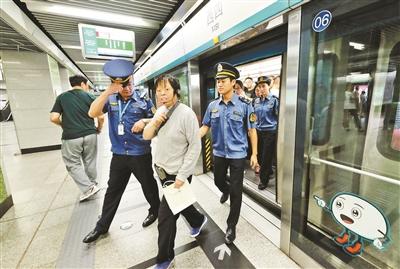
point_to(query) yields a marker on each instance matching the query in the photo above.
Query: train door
(261, 56)
(347, 197)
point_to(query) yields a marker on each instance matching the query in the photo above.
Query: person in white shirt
(351, 104)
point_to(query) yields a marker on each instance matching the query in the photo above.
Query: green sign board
(106, 43)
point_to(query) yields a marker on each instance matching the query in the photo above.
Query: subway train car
(336, 70)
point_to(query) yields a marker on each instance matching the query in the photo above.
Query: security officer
(127, 114)
(266, 108)
(231, 118)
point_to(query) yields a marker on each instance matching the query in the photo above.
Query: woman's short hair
(173, 81)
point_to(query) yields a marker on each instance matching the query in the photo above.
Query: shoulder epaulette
(245, 100)
(144, 95)
(274, 96)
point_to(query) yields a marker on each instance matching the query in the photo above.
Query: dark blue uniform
(131, 153)
(229, 126)
(137, 108)
(266, 110)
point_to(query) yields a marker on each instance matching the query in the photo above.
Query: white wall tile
(24, 60)
(31, 96)
(34, 118)
(32, 99)
(27, 79)
(40, 137)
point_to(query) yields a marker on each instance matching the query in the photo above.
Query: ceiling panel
(12, 40)
(64, 29)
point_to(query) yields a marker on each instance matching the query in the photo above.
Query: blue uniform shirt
(267, 110)
(138, 108)
(229, 125)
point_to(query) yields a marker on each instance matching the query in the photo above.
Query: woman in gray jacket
(178, 148)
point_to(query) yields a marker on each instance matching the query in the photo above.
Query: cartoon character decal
(361, 221)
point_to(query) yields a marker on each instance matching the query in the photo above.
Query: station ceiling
(11, 40)
(60, 18)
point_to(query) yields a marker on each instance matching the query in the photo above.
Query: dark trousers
(266, 153)
(167, 225)
(346, 118)
(121, 168)
(235, 188)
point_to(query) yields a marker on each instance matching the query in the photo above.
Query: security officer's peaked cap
(224, 70)
(118, 70)
(263, 79)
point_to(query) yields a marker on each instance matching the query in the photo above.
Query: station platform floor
(46, 225)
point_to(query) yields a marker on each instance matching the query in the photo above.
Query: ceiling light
(90, 63)
(71, 47)
(357, 46)
(96, 15)
(90, 14)
(11, 62)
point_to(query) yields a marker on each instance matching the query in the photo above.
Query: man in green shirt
(79, 136)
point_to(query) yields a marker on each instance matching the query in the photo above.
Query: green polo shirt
(73, 106)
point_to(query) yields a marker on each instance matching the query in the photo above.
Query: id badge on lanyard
(120, 114)
(121, 129)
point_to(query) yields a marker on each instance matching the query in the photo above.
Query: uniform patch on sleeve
(252, 117)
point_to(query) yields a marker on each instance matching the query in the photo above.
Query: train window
(323, 103)
(352, 88)
(270, 67)
(388, 141)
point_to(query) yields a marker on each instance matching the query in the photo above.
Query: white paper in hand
(179, 199)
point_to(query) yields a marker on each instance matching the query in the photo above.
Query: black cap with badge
(224, 70)
(263, 79)
(119, 71)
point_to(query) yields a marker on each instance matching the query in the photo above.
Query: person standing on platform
(238, 89)
(231, 118)
(351, 107)
(127, 112)
(249, 87)
(79, 136)
(176, 154)
(266, 108)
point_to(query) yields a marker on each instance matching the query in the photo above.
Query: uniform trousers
(267, 141)
(235, 188)
(121, 168)
(167, 225)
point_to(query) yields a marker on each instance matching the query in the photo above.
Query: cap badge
(219, 67)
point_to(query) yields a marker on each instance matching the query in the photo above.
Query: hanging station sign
(100, 42)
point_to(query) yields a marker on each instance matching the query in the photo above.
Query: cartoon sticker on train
(361, 221)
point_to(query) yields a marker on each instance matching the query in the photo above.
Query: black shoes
(149, 220)
(230, 235)
(224, 197)
(262, 186)
(92, 236)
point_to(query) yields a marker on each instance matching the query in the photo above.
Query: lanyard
(121, 113)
